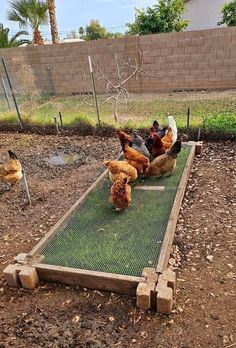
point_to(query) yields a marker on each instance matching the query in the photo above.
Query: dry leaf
(76, 319)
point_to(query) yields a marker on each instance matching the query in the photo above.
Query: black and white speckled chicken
(138, 145)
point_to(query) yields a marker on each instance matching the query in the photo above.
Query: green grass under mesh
(100, 239)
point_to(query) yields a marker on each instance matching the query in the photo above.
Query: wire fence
(26, 85)
(52, 79)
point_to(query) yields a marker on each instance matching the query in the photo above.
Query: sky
(71, 14)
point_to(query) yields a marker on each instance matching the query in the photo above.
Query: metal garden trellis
(13, 94)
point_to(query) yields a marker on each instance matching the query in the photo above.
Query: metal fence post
(13, 95)
(94, 90)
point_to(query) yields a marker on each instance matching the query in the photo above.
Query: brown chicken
(135, 158)
(120, 193)
(157, 147)
(164, 163)
(167, 139)
(116, 168)
(124, 137)
(11, 171)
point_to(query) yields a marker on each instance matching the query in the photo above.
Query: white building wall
(203, 14)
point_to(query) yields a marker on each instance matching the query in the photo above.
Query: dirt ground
(61, 316)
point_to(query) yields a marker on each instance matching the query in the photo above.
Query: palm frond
(6, 42)
(22, 32)
(28, 12)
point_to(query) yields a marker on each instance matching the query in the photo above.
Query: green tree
(32, 13)
(7, 42)
(229, 14)
(95, 31)
(163, 17)
(81, 31)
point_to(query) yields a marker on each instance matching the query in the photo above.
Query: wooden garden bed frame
(123, 284)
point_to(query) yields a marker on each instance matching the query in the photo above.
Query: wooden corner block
(198, 148)
(143, 294)
(164, 298)
(11, 274)
(28, 277)
(170, 276)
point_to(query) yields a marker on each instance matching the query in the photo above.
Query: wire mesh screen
(98, 238)
(6, 102)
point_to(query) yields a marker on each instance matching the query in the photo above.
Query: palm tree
(6, 42)
(53, 20)
(31, 13)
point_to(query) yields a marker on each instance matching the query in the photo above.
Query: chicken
(157, 147)
(121, 167)
(164, 163)
(120, 193)
(161, 131)
(167, 139)
(124, 136)
(173, 126)
(149, 143)
(171, 135)
(135, 158)
(11, 171)
(138, 144)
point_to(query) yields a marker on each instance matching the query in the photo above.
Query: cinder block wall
(204, 59)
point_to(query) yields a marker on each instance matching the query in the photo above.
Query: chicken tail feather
(172, 125)
(12, 154)
(175, 149)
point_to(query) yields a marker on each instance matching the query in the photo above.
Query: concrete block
(190, 64)
(150, 274)
(151, 279)
(11, 274)
(164, 298)
(143, 294)
(21, 258)
(28, 277)
(197, 42)
(170, 277)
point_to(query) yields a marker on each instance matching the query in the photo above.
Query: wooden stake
(199, 134)
(188, 118)
(26, 186)
(60, 117)
(56, 124)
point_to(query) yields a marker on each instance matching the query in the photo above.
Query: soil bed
(62, 316)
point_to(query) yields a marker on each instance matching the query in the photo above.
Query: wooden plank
(171, 226)
(118, 283)
(150, 188)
